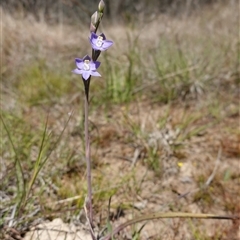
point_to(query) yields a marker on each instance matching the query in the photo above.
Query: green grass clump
(26, 150)
(37, 83)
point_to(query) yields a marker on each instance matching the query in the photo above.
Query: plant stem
(88, 159)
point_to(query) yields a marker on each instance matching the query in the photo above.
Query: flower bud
(92, 28)
(95, 18)
(101, 6)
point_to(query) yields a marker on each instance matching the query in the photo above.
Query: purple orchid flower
(99, 42)
(86, 67)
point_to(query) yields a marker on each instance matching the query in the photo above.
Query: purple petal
(86, 75)
(107, 44)
(94, 35)
(77, 71)
(78, 62)
(94, 42)
(95, 73)
(96, 47)
(93, 39)
(79, 65)
(94, 65)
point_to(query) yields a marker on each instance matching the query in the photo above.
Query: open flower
(99, 42)
(86, 67)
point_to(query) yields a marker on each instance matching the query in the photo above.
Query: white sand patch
(57, 229)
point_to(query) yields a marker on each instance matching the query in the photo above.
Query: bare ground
(193, 173)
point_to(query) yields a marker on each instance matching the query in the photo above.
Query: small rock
(56, 229)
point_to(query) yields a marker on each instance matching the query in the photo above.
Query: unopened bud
(95, 18)
(101, 6)
(92, 28)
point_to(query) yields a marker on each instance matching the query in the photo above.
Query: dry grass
(164, 115)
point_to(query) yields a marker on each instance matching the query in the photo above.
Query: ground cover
(164, 125)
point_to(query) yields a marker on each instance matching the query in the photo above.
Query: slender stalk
(88, 161)
(88, 202)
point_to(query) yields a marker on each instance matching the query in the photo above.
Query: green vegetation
(39, 84)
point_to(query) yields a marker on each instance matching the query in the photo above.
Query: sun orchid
(100, 42)
(86, 67)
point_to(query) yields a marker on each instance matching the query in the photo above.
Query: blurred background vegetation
(199, 35)
(54, 11)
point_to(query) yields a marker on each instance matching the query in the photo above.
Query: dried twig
(165, 215)
(217, 162)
